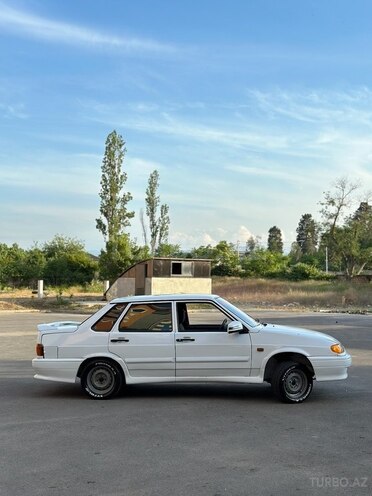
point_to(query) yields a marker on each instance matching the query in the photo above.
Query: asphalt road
(186, 440)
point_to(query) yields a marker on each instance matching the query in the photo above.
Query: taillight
(39, 350)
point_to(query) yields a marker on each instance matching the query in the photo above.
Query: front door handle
(186, 338)
(119, 340)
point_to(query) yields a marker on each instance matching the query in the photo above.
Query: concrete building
(163, 276)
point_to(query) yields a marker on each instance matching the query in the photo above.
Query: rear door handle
(119, 340)
(186, 338)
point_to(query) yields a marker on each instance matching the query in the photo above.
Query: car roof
(165, 297)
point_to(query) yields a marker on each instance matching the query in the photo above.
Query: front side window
(148, 317)
(107, 321)
(201, 317)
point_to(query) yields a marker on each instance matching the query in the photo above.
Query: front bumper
(331, 368)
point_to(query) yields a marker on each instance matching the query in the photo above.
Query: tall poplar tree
(158, 223)
(113, 209)
(114, 214)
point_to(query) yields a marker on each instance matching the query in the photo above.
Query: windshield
(241, 315)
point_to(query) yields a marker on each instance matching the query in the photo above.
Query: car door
(144, 339)
(204, 349)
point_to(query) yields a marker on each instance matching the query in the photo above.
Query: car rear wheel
(101, 380)
(292, 382)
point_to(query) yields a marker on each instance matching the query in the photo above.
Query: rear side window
(107, 321)
(153, 317)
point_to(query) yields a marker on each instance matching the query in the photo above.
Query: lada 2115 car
(184, 338)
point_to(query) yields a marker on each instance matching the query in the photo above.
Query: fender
(278, 351)
(112, 356)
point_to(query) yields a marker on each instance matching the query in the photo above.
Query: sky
(249, 110)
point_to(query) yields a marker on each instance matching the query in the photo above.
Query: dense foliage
(62, 261)
(307, 235)
(274, 240)
(255, 262)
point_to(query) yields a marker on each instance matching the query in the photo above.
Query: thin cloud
(47, 29)
(335, 139)
(284, 175)
(317, 107)
(38, 177)
(13, 111)
(166, 124)
(236, 234)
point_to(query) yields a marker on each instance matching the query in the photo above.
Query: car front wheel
(101, 380)
(292, 382)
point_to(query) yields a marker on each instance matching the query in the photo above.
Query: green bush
(65, 269)
(302, 271)
(19, 267)
(264, 263)
(224, 257)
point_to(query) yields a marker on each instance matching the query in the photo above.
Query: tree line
(60, 262)
(341, 242)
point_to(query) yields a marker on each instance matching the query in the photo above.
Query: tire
(101, 380)
(292, 382)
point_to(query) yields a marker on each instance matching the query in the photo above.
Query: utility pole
(326, 259)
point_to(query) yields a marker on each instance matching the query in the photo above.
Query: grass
(335, 295)
(57, 299)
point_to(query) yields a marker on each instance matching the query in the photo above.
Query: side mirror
(234, 326)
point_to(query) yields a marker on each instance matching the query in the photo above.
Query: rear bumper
(331, 368)
(56, 369)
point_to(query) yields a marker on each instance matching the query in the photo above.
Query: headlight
(337, 348)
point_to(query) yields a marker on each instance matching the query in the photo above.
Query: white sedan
(184, 338)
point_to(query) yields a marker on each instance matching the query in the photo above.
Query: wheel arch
(285, 356)
(108, 358)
